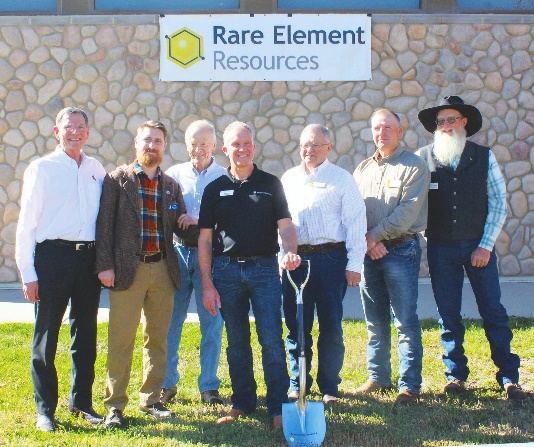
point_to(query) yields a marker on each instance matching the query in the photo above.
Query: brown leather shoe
(276, 422)
(233, 415)
(407, 398)
(329, 399)
(371, 387)
(515, 393)
(454, 386)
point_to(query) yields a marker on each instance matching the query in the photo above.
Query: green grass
(482, 416)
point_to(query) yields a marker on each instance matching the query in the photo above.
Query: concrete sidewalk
(518, 298)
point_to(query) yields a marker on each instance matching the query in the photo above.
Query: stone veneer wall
(109, 66)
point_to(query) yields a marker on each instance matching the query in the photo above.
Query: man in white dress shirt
(193, 177)
(329, 215)
(55, 253)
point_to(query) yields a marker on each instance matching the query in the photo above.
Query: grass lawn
(482, 416)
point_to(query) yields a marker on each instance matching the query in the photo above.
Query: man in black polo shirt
(240, 216)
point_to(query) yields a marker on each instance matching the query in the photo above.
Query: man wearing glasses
(329, 215)
(466, 211)
(394, 184)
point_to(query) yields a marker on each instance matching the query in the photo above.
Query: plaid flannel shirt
(152, 240)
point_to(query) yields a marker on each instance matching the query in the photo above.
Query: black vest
(458, 200)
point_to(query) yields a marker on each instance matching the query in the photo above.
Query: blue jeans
(240, 285)
(325, 291)
(447, 261)
(210, 327)
(392, 283)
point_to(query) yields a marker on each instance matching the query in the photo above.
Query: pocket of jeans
(407, 249)
(267, 263)
(219, 263)
(337, 255)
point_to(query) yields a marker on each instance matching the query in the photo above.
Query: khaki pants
(153, 293)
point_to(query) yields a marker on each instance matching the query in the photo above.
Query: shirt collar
(316, 170)
(206, 171)
(64, 158)
(138, 170)
(250, 178)
(396, 153)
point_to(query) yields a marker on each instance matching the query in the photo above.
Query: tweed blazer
(118, 227)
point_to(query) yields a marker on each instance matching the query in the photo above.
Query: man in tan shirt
(394, 184)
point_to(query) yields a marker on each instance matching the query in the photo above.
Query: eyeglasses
(312, 146)
(450, 120)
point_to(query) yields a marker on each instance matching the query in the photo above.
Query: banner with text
(303, 47)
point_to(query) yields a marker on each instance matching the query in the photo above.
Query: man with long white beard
(466, 211)
(139, 211)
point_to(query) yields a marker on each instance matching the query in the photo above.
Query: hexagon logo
(185, 47)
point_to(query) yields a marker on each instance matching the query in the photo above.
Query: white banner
(276, 47)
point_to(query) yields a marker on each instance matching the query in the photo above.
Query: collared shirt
(193, 183)
(152, 239)
(59, 201)
(395, 190)
(497, 210)
(326, 206)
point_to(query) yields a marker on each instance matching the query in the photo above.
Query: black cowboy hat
(474, 118)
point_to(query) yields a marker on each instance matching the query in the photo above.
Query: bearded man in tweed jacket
(139, 211)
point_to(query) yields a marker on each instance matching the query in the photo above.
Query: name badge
(230, 192)
(318, 184)
(394, 183)
(433, 186)
(173, 206)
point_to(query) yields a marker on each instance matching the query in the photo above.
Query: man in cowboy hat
(466, 211)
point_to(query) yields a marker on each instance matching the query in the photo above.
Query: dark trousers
(64, 273)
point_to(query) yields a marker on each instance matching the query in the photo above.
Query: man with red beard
(466, 211)
(139, 211)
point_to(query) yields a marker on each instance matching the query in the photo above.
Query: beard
(448, 147)
(149, 159)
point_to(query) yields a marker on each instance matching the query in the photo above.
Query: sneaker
(515, 393)
(167, 395)
(45, 423)
(406, 398)
(114, 419)
(454, 386)
(157, 411)
(371, 387)
(211, 397)
(88, 413)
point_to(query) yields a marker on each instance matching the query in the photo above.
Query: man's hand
(211, 299)
(107, 278)
(31, 291)
(480, 257)
(378, 251)
(184, 220)
(290, 261)
(353, 278)
(370, 242)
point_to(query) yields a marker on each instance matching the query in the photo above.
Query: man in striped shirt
(329, 215)
(466, 211)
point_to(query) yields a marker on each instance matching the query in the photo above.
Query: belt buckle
(79, 247)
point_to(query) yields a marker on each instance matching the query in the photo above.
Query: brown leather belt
(307, 249)
(74, 245)
(188, 244)
(399, 240)
(150, 259)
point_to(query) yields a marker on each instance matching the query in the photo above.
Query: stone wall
(109, 66)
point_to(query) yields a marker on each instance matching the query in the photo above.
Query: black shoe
(88, 413)
(114, 419)
(211, 397)
(158, 411)
(45, 423)
(515, 393)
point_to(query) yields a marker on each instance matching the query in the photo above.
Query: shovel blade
(315, 424)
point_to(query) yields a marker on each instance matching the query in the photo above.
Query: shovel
(303, 422)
